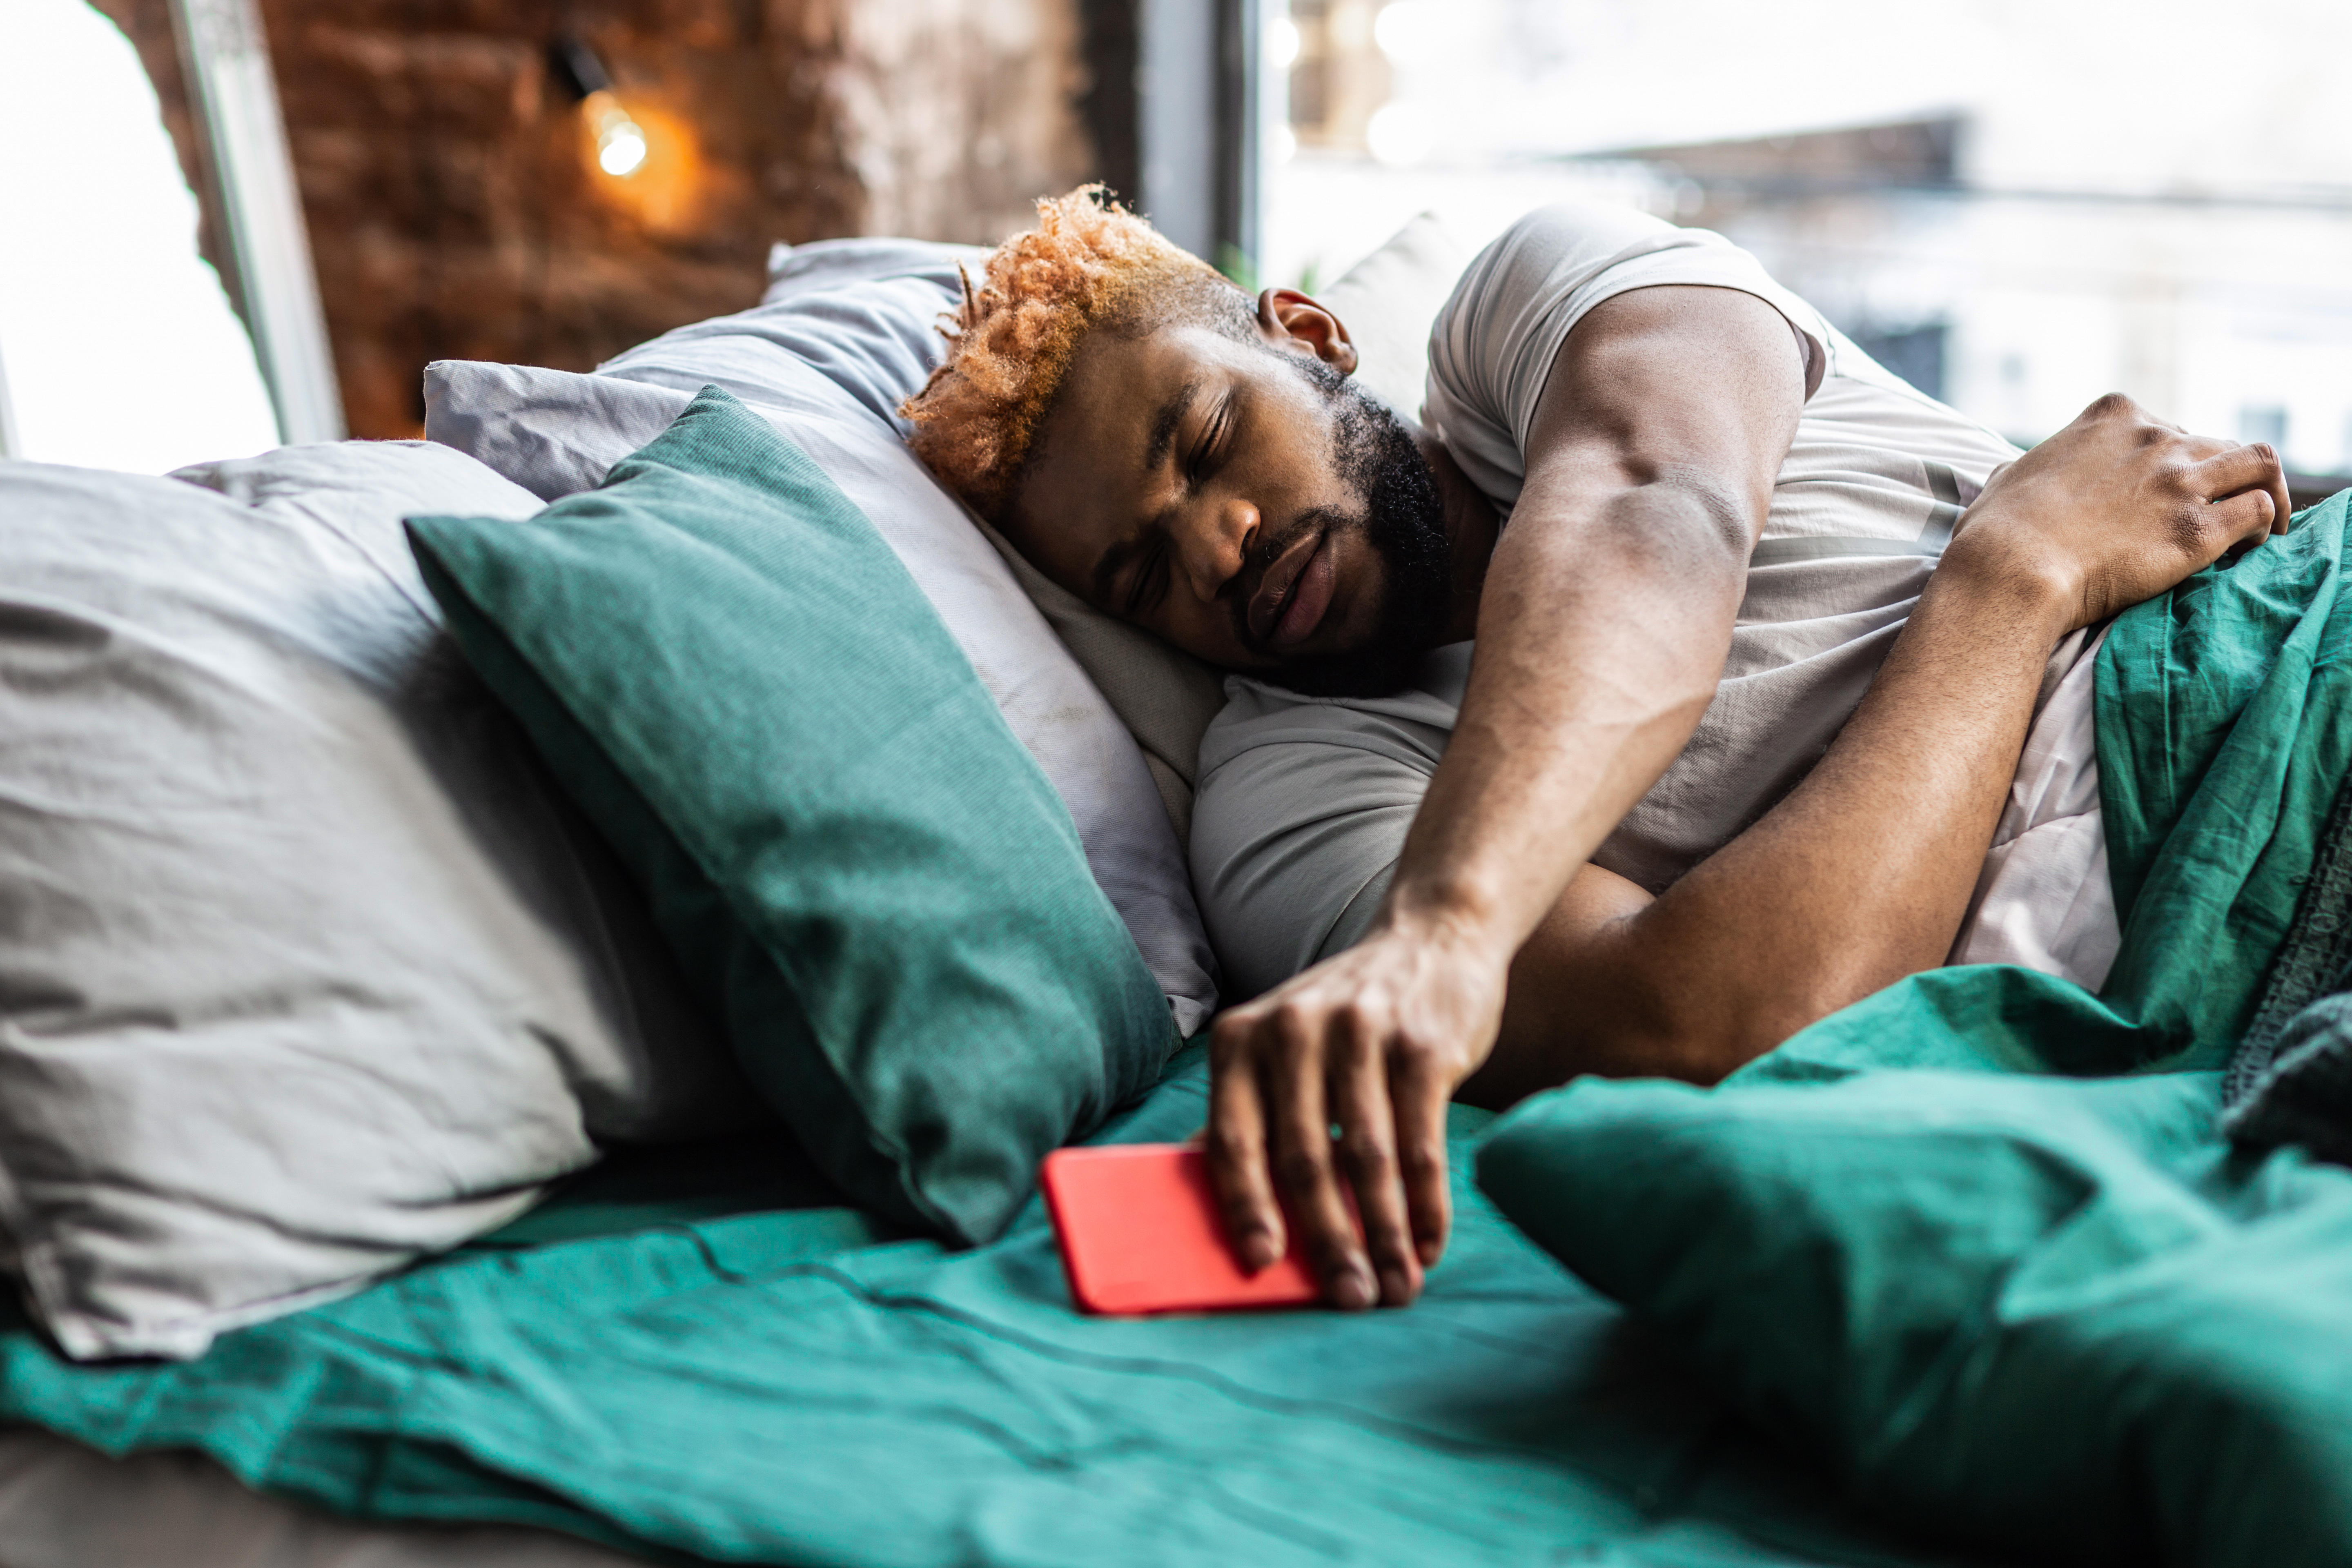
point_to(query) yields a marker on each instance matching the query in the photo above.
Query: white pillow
(863, 315)
(304, 971)
(1390, 300)
(846, 335)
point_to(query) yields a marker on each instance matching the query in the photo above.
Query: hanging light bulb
(621, 143)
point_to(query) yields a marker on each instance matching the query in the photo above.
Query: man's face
(1243, 502)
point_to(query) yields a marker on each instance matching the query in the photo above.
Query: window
(2263, 424)
(2018, 217)
(118, 345)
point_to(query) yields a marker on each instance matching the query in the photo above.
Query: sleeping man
(1760, 634)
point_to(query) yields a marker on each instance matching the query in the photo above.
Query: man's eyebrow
(1163, 427)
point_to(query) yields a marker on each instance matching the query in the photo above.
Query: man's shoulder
(1571, 230)
(1412, 723)
(1570, 239)
(1494, 343)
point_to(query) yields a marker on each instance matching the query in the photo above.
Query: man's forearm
(1608, 606)
(1859, 877)
(1600, 641)
(1602, 623)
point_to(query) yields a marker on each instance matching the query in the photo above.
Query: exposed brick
(454, 213)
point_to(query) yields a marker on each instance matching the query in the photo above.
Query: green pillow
(869, 877)
(2051, 1316)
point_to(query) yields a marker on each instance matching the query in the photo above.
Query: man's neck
(1471, 527)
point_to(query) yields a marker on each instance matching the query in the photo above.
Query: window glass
(117, 344)
(2018, 204)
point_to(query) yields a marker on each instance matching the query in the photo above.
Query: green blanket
(2047, 1313)
(2059, 1317)
(793, 1385)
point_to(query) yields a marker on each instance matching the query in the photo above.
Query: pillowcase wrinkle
(305, 969)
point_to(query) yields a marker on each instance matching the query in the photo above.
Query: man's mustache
(1246, 583)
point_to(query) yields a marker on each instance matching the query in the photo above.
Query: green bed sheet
(794, 1384)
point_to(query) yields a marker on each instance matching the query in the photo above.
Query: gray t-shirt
(1304, 803)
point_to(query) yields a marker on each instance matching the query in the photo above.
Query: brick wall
(455, 210)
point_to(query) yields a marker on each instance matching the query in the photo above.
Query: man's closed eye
(1204, 452)
(1147, 584)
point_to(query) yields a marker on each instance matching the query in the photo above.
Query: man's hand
(1864, 874)
(1602, 627)
(1374, 1042)
(2119, 507)
(1371, 1045)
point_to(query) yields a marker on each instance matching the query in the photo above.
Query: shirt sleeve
(1493, 343)
(1292, 846)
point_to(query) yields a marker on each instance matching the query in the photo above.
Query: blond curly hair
(1088, 264)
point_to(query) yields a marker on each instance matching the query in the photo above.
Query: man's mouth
(1294, 594)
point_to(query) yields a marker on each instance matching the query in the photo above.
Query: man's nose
(1221, 545)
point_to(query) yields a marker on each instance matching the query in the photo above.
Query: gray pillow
(304, 971)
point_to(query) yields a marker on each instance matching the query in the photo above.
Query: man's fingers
(2282, 503)
(1236, 1149)
(2254, 469)
(1292, 1082)
(1418, 1111)
(1359, 1101)
(2246, 518)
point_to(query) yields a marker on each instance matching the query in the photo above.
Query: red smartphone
(1140, 1233)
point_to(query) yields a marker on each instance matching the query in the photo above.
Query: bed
(1786, 1322)
(760, 1391)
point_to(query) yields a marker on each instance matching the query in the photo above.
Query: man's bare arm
(1605, 620)
(1864, 873)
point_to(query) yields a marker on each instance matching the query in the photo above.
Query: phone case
(1140, 1233)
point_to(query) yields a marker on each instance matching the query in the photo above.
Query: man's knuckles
(2176, 476)
(1294, 1027)
(1369, 1158)
(1364, 1022)
(1301, 1169)
(2187, 525)
(1421, 1164)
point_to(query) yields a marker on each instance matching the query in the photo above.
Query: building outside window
(2016, 206)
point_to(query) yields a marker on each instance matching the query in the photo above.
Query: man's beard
(1403, 518)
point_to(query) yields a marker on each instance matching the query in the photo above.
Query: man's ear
(1291, 320)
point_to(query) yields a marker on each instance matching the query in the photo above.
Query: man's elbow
(1703, 1036)
(1767, 1017)
(1689, 521)
(1721, 508)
